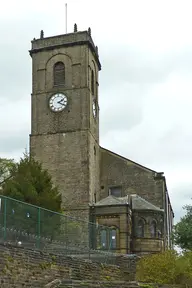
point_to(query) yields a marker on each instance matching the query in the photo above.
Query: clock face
(94, 109)
(58, 102)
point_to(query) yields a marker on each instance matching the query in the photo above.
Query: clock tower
(65, 116)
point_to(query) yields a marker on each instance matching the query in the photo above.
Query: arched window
(108, 238)
(92, 82)
(140, 229)
(153, 229)
(113, 238)
(59, 74)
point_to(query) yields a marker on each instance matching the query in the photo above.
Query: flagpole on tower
(66, 17)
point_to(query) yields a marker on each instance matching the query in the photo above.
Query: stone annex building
(96, 184)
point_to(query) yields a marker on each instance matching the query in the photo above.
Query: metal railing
(33, 227)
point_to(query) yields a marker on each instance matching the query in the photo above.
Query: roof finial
(89, 31)
(75, 27)
(41, 34)
(96, 48)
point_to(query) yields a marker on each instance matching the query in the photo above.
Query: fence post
(5, 219)
(39, 227)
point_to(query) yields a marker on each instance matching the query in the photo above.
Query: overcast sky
(145, 48)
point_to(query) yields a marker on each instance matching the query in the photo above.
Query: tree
(31, 184)
(6, 167)
(183, 230)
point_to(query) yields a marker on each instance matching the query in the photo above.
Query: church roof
(126, 159)
(112, 200)
(138, 203)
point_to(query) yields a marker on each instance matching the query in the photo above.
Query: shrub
(165, 268)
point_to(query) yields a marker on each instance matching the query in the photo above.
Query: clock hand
(61, 102)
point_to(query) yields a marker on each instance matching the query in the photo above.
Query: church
(130, 201)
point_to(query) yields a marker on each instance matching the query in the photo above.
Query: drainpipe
(129, 205)
(127, 242)
(167, 220)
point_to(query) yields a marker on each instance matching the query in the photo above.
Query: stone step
(95, 284)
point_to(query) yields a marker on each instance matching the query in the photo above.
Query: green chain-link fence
(33, 227)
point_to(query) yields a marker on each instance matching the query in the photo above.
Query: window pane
(103, 239)
(115, 191)
(153, 229)
(140, 229)
(113, 240)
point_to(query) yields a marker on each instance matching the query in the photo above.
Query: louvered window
(59, 74)
(92, 82)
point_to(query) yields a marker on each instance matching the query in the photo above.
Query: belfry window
(92, 82)
(59, 74)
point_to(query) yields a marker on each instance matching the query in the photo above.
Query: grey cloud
(174, 147)
(133, 66)
(181, 195)
(15, 63)
(15, 142)
(126, 64)
(121, 108)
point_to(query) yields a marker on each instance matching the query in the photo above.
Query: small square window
(115, 191)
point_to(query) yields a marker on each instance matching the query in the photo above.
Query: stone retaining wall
(21, 267)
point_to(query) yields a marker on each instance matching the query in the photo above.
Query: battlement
(65, 40)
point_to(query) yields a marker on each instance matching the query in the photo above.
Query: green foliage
(6, 167)
(166, 268)
(157, 268)
(30, 183)
(182, 234)
(184, 269)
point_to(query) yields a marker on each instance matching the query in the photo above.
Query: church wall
(147, 245)
(65, 156)
(134, 179)
(147, 242)
(94, 169)
(118, 217)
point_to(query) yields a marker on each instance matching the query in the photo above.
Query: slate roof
(112, 200)
(137, 202)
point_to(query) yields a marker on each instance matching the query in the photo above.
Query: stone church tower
(65, 115)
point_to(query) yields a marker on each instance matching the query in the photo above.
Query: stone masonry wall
(115, 284)
(98, 284)
(132, 177)
(20, 267)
